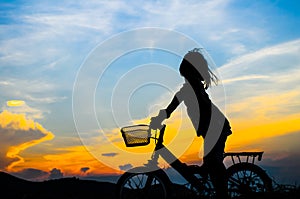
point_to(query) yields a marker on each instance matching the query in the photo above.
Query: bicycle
(150, 181)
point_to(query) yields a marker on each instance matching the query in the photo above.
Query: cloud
(51, 34)
(243, 78)
(179, 14)
(17, 134)
(109, 154)
(20, 107)
(214, 22)
(262, 96)
(84, 169)
(47, 34)
(70, 159)
(125, 167)
(32, 174)
(55, 174)
(36, 91)
(15, 103)
(265, 80)
(282, 55)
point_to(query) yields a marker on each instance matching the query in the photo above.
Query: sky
(72, 73)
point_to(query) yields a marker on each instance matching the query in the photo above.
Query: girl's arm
(171, 107)
(165, 113)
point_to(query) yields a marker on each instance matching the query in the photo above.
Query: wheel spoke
(140, 179)
(141, 185)
(235, 181)
(130, 184)
(137, 185)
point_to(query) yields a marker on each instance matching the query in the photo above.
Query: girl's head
(194, 68)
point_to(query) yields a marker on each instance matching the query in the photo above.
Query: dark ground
(65, 188)
(72, 188)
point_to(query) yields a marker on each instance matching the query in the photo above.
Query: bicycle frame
(168, 156)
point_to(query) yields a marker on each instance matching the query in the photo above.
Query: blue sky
(43, 44)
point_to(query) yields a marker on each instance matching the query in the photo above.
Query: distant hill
(67, 188)
(102, 178)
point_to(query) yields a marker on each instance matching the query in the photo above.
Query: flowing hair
(194, 67)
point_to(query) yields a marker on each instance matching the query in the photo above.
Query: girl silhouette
(206, 118)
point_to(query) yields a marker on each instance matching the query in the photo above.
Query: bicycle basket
(137, 135)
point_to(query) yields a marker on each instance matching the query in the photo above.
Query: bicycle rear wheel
(136, 184)
(246, 178)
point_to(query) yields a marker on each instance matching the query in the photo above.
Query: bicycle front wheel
(246, 178)
(148, 185)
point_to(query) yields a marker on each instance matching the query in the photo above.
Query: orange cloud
(72, 159)
(69, 157)
(17, 134)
